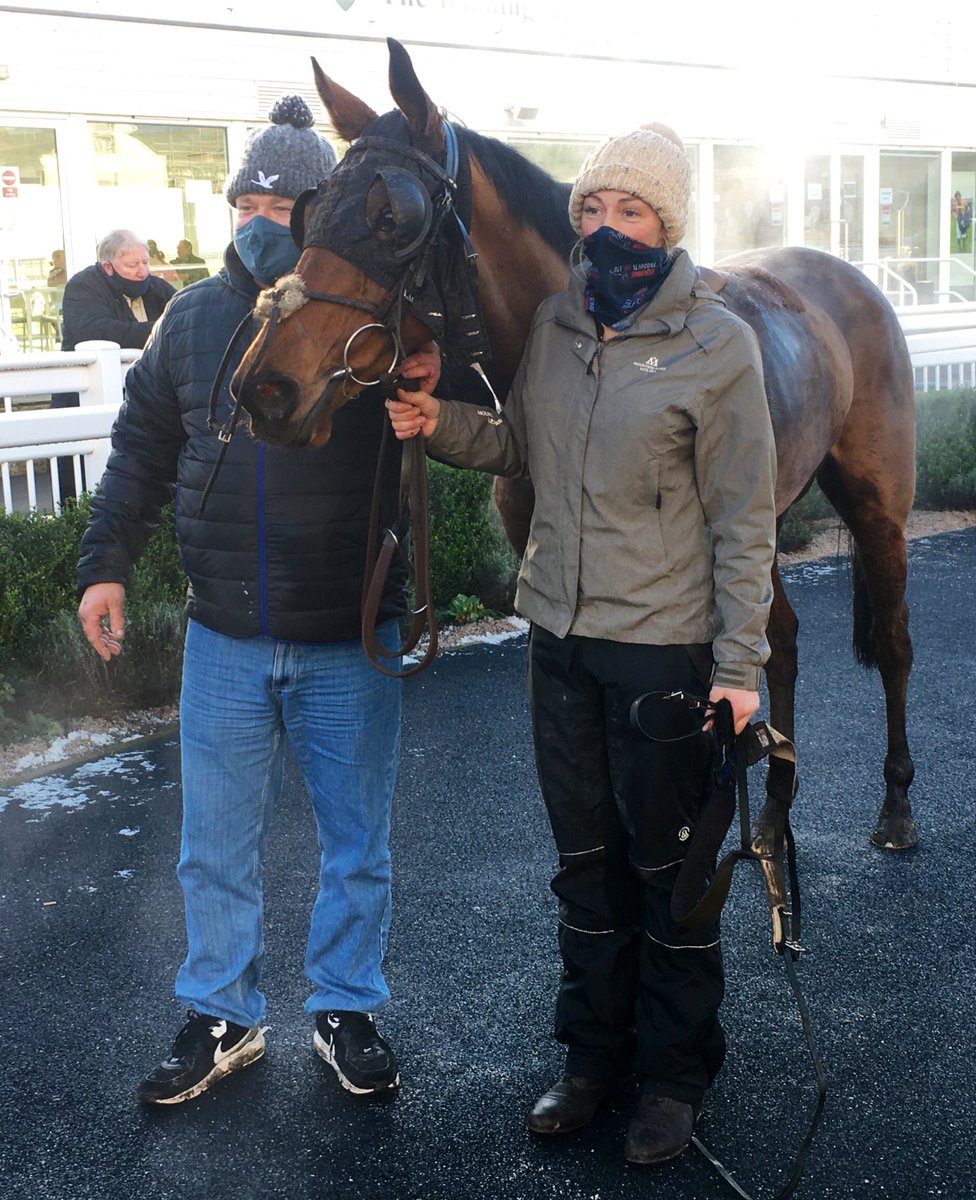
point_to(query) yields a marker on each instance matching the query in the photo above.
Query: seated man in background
(114, 300)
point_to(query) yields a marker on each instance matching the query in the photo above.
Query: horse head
(381, 242)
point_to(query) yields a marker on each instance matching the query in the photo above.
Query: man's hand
(413, 413)
(102, 617)
(424, 365)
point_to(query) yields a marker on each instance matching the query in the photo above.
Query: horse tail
(865, 647)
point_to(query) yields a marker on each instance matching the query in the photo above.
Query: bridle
(410, 288)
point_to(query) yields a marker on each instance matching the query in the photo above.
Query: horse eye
(379, 212)
(384, 225)
(397, 210)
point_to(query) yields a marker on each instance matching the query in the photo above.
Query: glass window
(32, 270)
(750, 200)
(852, 207)
(816, 202)
(562, 160)
(909, 216)
(166, 183)
(961, 232)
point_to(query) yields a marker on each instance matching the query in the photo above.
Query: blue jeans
(241, 698)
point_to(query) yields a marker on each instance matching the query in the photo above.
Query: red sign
(9, 182)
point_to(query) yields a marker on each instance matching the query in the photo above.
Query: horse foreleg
(881, 639)
(781, 672)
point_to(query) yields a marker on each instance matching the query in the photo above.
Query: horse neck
(517, 270)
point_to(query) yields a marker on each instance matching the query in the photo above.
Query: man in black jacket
(273, 652)
(114, 300)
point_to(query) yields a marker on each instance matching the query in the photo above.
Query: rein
(700, 893)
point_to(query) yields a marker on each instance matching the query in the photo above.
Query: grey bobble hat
(285, 159)
(651, 164)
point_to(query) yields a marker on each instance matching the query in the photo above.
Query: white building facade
(848, 128)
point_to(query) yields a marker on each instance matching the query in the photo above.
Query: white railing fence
(33, 437)
(942, 342)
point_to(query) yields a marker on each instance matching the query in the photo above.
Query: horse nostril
(272, 399)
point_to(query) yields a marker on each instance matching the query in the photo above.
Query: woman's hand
(413, 413)
(424, 365)
(744, 705)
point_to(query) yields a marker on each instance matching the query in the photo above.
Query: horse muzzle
(272, 402)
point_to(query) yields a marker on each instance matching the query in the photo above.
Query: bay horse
(381, 237)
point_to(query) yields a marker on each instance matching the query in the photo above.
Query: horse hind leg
(781, 674)
(881, 637)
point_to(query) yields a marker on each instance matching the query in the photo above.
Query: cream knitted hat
(651, 164)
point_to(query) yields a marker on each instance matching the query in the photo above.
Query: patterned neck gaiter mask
(623, 275)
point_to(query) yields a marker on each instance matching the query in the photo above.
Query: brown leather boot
(661, 1130)
(569, 1104)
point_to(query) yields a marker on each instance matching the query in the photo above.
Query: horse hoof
(895, 835)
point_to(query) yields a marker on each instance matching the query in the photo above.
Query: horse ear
(349, 114)
(411, 99)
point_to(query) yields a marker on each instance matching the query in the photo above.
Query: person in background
(184, 256)
(116, 299)
(273, 652)
(639, 414)
(158, 264)
(58, 274)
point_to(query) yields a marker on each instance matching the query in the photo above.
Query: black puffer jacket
(92, 312)
(280, 550)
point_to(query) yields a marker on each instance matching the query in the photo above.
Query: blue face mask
(266, 248)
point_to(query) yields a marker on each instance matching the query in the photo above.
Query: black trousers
(637, 994)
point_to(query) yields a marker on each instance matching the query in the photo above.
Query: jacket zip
(262, 545)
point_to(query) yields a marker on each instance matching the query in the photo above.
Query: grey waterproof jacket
(653, 463)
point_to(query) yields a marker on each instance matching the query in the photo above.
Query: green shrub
(463, 610)
(946, 449)
(48, 665)
(797, 531)
(469, 552)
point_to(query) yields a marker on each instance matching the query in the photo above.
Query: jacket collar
(666, 311)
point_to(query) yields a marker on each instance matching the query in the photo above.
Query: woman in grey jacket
(638, 413)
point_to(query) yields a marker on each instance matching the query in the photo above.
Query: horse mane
(531, 195)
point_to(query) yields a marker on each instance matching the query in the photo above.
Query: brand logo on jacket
(649, 366)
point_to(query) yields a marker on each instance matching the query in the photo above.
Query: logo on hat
(266, 181)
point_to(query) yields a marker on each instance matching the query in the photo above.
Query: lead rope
(760, 740)
(414, 507)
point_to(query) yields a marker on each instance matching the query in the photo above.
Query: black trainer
(350, 1044)
(206, 1049)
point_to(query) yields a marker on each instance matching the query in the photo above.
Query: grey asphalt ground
(86, 981)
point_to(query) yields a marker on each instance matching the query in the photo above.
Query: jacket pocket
(655, 539)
